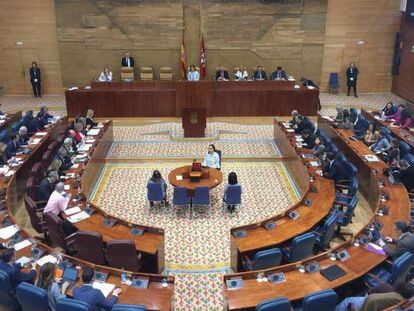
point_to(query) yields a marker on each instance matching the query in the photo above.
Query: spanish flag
(183, 62)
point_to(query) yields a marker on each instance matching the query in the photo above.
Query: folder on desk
(333, 272)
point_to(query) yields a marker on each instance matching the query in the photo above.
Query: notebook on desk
(333, 272)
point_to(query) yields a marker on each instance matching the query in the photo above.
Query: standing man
(351, 78)
(127, 61)
(35, 79)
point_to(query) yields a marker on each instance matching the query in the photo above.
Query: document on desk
(35, 141)
(72, 211)
(78, 217)
(21, 245)
(41, 134)
(105, 288)
(23, 260)
(290, 131)
(314, 163)
(371, 158)
(93, 132)
(85, 147)
(179, 177)
(45, 259)
(66, 187)
(75, 165)
(8, 232)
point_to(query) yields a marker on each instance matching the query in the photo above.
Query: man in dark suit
(222, 75)
(45, 188)
(92, 296)
(43, 117)
(279, 74)
(404, 242)
(35, 79)
(334, 169)
(259, 74)
(127, 61)
(12, 146)
(308, 138)
(13, 270)
(351, 78)
(405, 175)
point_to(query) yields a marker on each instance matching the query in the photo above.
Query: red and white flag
(202, 59)
(183, 62)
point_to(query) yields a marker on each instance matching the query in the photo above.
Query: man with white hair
(64, 154)
(23, 139)
(58, 201)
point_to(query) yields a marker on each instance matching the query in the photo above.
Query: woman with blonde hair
(90, 121)
(55, 166)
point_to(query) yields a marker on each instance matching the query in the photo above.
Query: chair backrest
(325, 300)
(302, 246)
(166, 74)
(410, 158)
(4, 136)
(233, 194)
(402, 265)
(147, 73)
(127, 73)
(47, 158)
(201, 196)
(31, 188)
(124, 307)
(328, 229)
(277, 304)
(267, 259)
(353, 186)
(122, 254)
(349, 213)
(32, 298)
(219, 154)
(67, 304)
(332, 148)
(180, 196)
(334, 79)
(37, 172)
(363, 125)
(15, 127)
(56, 234)
(35, 220)
(404, 148)
(341, 157)
(154, 192)
(90, 247)
(6, 297)
(53, 146)
(350, 169)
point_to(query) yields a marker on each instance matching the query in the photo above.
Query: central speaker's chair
(127, 74)
(147, 74)
(166, 74)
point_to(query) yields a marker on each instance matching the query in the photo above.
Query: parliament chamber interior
(207, 155)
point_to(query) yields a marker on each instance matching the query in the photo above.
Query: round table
(215, 178)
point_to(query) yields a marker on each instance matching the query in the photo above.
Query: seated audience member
(55, 167)
(58, 200)
(193, 74)
(212, 159)
(396, 117)
(334, 169)
(106, 75)
(405, 122)
(3, 155)
(278, 74)
(371, 135)
(71, 135)
(23, 138)
(65, 160)
(392, 157)
(324, 161)
(92, 296)
(259, 74)
(222, 75)
(79, 134)
(347, 120)
(339, 114)
(404, 242)
(294, 114)
(241, 74)
(318, 148)
(308, 138)
(49, 283)
(232, 181)
(389, 109)
(12, 146)
(44, 116)
(13, 270)
(30, 122)
(405, 175)
(301, 124)
(46, 187)
(382, 145)
(156, 178)
(90, 121)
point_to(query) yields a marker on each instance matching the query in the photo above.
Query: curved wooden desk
(297, 285)
(155, 297)
(215, 178)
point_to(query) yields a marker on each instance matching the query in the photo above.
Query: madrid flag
(202, 59)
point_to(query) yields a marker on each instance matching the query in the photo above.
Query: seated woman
(397, 115)
(212, 159)
(232, 181)
(90, 121)
(392, 157)
(78, 128)
(406, 121)
(371, 136)
(106, 75)
(389, 109)
(382, 145)
(156, 178)
(49, 283)
(55, 166)
(241, 74)
(193, 74)
(318, 148)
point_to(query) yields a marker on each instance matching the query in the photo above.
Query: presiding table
(168, 98)
(210, 177)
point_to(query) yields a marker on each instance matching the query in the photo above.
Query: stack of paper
(21, 245)
(24, 261)
(105, 288)
(371, 158)
(78, 217)
(41, 134)
(72, 211)
(85, 147)
(8, 232)
(75, 165)
(45, 259)
(35, 141)
(290, 130)
(94, 132)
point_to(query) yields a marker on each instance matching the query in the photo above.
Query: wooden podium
(194, 122)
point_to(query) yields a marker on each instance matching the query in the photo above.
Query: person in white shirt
(241, 74)
(212, 159)
(57, 202)
(106, 75)
(193, 74)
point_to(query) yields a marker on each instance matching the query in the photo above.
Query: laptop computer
(70, 275)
